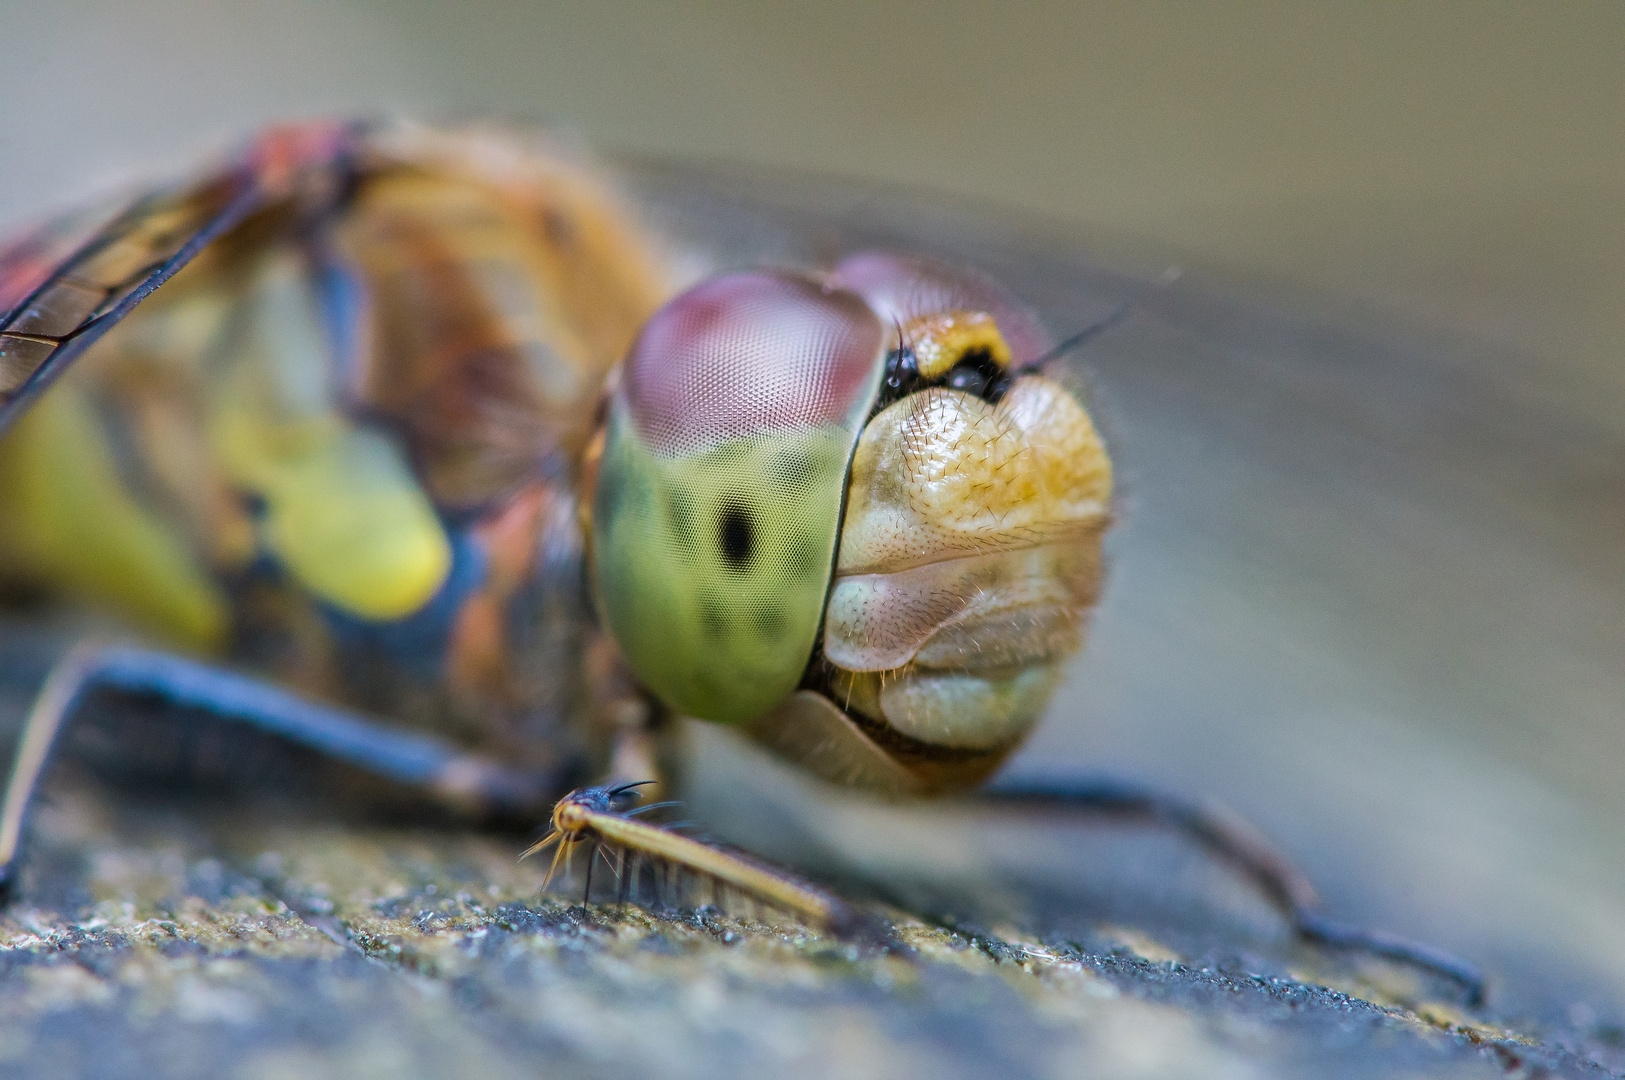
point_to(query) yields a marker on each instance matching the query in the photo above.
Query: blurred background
(1458, 162)
(1429, 669)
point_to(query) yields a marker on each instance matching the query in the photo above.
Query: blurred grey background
(1458, 162)
(1432, 663)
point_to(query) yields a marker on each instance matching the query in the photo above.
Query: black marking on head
(736, 531)
(967, 379)
(975, 372)
(901, 378)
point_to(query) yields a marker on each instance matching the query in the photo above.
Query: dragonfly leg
(601, 817)
(1238, 843)
(444, 774)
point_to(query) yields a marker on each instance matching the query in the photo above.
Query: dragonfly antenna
(1108, 320)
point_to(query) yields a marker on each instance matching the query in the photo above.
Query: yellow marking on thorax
(343, 510)
(67, 521)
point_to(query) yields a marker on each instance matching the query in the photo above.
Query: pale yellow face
(969, 558)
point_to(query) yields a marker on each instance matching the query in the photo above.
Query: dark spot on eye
(713, 623)
(793, 469)
(680, 518)
(801, 556)
(769, 622)
(737, 532)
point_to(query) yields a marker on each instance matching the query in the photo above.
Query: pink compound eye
(901, 288)
(750, 354)
(717, 504)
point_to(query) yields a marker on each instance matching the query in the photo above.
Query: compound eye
(718, 498)
(746, 355)
(908, 289)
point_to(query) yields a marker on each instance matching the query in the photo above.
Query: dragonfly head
(857, 486)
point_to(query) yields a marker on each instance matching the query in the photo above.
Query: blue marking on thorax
(418, 642)
(342, 296)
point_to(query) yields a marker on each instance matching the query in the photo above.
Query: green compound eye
(719, 492)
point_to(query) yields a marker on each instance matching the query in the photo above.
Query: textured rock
(265, 948)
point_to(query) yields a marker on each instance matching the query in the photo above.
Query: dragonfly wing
(65, 285)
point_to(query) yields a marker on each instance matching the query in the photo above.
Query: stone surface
(173, 938)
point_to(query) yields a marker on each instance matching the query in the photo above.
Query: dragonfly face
(850, 510)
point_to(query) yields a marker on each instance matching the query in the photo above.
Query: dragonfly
(408, 447)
